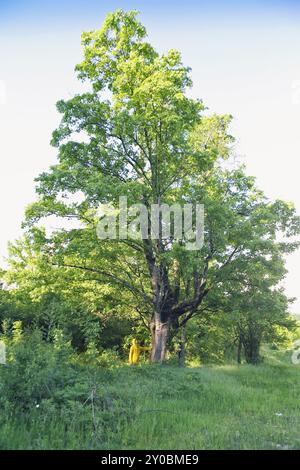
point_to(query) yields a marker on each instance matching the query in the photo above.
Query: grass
(154, 407)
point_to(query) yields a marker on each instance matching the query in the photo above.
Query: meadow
(115, 406)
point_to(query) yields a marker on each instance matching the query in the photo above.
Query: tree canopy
(137, 133)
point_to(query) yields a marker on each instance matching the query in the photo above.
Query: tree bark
(251, 348)
(239, 352)
(160, 335)
(181, 353)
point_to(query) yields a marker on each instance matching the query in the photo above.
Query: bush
(34, 370)
(107, 358)
(55, 400)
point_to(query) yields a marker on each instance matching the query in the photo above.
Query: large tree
(138, 134)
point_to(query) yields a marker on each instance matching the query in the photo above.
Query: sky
(245, 60)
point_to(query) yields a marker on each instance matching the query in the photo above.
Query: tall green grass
(164, 407)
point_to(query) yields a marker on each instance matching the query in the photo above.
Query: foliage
(137, 133)
(34, 370)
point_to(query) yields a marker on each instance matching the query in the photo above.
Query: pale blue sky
(245, 59)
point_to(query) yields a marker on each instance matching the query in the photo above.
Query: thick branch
(118, 280)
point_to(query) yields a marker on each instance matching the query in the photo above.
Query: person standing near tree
(135, 352)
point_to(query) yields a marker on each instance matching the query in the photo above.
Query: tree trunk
(181, 352)
(251, 348)
(160, 334)
(239, 351)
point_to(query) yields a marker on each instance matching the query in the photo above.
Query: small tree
(251, 317)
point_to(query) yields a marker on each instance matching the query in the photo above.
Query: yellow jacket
(135, 351)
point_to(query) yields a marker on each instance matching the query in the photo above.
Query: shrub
(34, 370)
